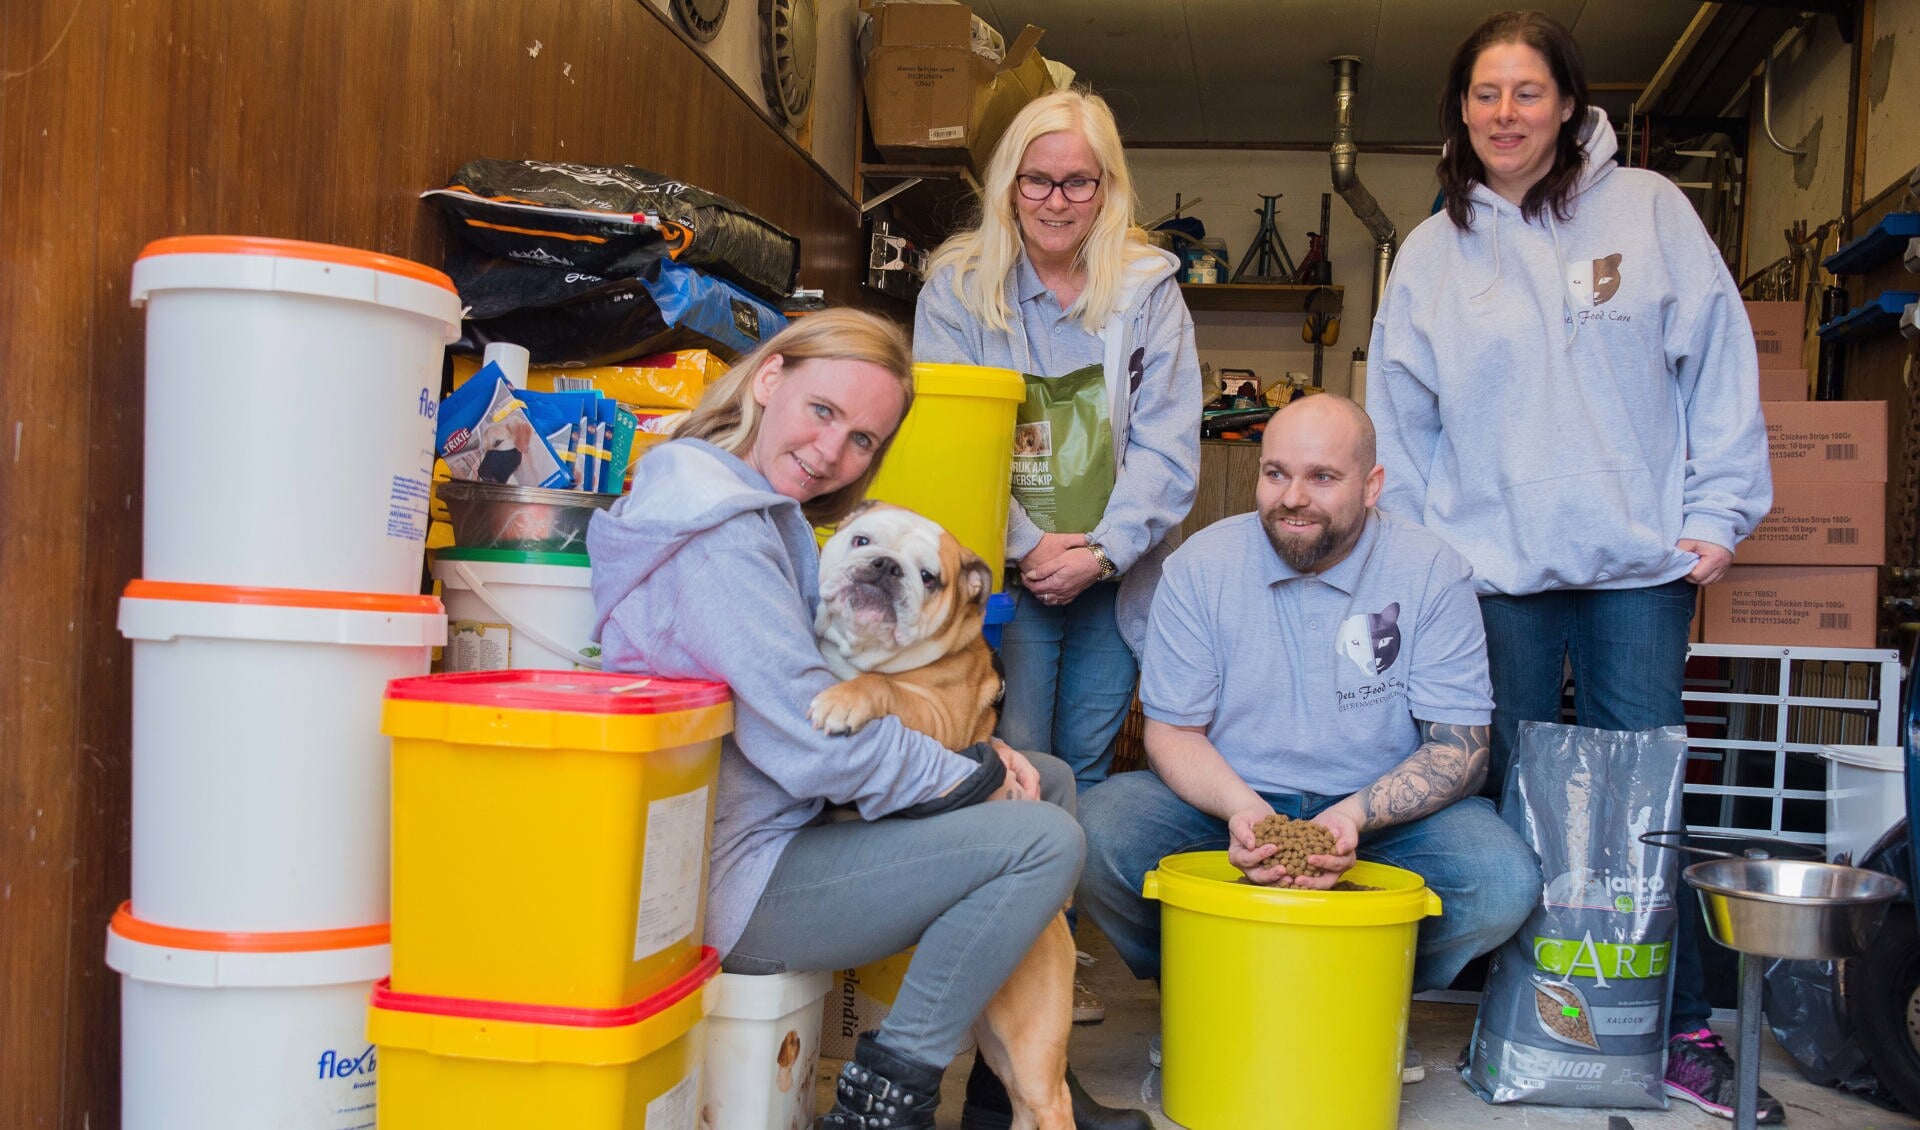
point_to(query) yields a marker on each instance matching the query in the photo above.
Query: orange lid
(705, 969)
(292, 941)
(285, 598)
(296, 249)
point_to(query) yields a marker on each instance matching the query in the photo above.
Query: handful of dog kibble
(1298, 839)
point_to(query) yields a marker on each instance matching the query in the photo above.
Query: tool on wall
(1268, 250)
(1315, 267)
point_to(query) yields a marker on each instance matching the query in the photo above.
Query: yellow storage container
(551, 832)
(449, 1064)
(1282, 1006)
(953, 457)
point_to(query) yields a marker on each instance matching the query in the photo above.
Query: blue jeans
(1070, 679)
(971, 889)
(1628, 651)
(1487, 878)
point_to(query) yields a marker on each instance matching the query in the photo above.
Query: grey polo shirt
(1311, 683)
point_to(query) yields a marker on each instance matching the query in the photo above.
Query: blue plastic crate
(1886, 241)
(1875, 316)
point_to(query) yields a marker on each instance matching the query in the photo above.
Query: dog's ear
(976, 579)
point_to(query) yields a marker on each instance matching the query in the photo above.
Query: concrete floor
(1111, 1060)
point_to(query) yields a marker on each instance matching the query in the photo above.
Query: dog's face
(897, 591)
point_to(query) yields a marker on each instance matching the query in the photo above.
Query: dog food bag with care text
(1575, 1008)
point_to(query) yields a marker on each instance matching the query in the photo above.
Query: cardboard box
(1798, 606)
(1783, 384)
(1779, 330)
(1820, 524)
(1827, 441)
(930, 97)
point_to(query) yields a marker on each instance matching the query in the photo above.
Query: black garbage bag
(611, 220)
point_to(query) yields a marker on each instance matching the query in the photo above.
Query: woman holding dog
(1564, 385)
(1057, 283)
(708, 569)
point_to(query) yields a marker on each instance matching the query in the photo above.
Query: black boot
(880, 1089)
(988, 1107)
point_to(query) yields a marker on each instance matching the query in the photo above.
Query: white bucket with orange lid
(260, 776)
(254, 1030)
(291, 395)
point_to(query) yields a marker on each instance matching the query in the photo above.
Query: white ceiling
(1255, 72)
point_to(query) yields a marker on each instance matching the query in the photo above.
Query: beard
(1301, 553)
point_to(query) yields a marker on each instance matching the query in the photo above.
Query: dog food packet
(484, 435)
(1575, 1008)
(1063, 451)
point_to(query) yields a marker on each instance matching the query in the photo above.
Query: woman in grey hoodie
(1565, 388)
(708, 569)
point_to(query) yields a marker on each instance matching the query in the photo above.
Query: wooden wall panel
(124, 121)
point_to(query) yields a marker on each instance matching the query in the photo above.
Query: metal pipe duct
(1346, 179)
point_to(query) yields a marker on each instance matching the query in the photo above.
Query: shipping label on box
(1793, 606)
(1827, 441)
(1779, 329)
(1783, 384)
(1820, 524)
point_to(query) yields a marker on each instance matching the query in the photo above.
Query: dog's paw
(843, 708)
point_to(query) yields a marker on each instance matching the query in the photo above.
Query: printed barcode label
(1843, 535)
(572, 384)
(1766, 345)
(1836, 621)
(1837, 451)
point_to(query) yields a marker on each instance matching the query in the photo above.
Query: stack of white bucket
(291, 391)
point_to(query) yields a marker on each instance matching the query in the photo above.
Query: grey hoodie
(1153, 381)
(703, 572)
(1565, 401)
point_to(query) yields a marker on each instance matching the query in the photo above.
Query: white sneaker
(1412, 1070)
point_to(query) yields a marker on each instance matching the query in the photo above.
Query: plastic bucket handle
(479, 590)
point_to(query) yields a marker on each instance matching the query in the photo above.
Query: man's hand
(1346, 840)
(1241, 851)
(1023, 780)
(1713, 563)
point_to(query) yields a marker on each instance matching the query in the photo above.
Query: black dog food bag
(1575, 1008)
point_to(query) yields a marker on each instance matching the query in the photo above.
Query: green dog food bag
(1063, 451)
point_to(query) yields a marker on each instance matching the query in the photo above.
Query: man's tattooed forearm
(1450, 765)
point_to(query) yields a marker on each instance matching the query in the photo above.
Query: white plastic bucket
(245, 1037)
(512, 609)
(1866, 795)
(763, 1044)
(291, 395)
(260, 775)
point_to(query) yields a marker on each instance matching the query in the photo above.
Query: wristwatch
(1106, 563)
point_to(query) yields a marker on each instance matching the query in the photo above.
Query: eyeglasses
(1077, 190)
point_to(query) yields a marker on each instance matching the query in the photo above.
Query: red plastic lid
(222, 941)
(704, 970)
(297, 249)
(582, 692)
(285, 598)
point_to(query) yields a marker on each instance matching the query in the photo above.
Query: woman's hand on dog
(1023, 780)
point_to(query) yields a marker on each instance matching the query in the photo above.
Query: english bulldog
(902, 603)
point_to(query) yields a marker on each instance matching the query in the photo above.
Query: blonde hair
(729, 417)
(983, 256)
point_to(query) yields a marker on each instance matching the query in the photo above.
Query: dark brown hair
(1460, 168)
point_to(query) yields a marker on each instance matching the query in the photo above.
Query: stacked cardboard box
(933, 93)
(1808, 575)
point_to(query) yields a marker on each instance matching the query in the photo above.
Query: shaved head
(1329, 409)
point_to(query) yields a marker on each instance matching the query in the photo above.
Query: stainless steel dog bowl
(1792, 908)
(531, 519)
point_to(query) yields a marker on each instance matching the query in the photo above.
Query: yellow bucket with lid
(1280, 1000)
(952, 459)
(450, 1064)
(551, 832)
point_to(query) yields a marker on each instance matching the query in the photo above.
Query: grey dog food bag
(1575, 1008)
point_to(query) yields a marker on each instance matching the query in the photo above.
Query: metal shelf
(1263, 298)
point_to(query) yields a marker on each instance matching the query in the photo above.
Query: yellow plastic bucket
(1279, 1006)
(550, 833)
(449, 1064)
(953, 457)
